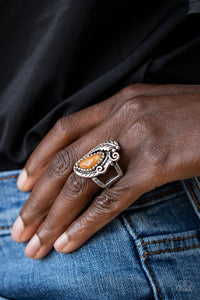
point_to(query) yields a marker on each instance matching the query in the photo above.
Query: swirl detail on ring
(98, 160)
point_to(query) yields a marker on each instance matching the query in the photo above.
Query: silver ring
(97, 161)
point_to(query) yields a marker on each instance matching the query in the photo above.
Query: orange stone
(90, 161)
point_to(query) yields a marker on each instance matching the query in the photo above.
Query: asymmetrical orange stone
(90, 161)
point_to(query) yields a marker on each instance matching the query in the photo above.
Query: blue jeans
(150, 251)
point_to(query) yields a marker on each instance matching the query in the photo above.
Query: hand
(158, 130)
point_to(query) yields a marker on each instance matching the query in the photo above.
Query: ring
(97, 161)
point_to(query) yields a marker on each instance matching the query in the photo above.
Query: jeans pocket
(171, 262)
(165, 229)
(160, 194)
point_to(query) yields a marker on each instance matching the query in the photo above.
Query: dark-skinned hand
(158, 130)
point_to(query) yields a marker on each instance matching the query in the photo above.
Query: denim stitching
(169, 240)
(198, 185)
(160, 195)
(5, 227)
(146, 255)
(9, 177)
(192, 194)
(170, 250)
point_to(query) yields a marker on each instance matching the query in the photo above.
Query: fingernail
(61, 242)
(33, 246)
(22, 179)
(18, 229)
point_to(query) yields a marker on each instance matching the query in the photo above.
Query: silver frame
(110, 156)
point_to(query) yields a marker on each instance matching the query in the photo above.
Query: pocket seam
(146, 256)
(196, 179)
(170, 250)
(193, 195)
(169, 240)
(160, 195)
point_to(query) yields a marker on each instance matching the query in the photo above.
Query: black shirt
(58, 56)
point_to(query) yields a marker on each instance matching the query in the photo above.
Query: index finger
(66, 130)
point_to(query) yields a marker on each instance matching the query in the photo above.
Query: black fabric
(58, 56)
(193, 6)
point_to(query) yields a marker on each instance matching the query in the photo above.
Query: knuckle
(61, 164)
(62, 126)
(48, 229)
(86, 221)
(126, 92)
(107, 203)
(143, 125)
(132, 106)
(156, 154)
(31, 210)
(81, 224)
(75, 185)
(133, 90)
(155, 146)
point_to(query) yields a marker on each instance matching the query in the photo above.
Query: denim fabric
(150, 251)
